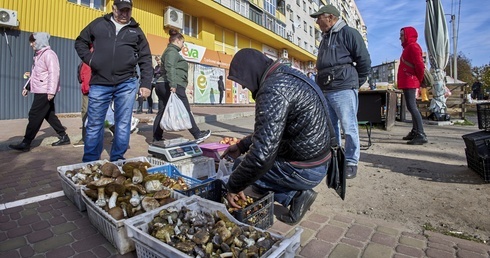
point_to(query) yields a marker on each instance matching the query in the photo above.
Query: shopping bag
(175, 117)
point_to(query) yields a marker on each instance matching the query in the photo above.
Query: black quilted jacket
(290, 124)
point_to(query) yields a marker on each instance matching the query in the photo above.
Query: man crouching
(289, 151)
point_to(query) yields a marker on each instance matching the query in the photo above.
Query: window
(305, 26)
(95, 4)
(269, 22)
(311, 31)
(291, 15)
(280, 29)
(241, 7)
(304, 6)
(255, 15)
(298, 3)
(270, 6)
(306, 46)
(190, 26)
(299, 41)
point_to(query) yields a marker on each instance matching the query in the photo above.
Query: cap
(330, 9)
(120, 4)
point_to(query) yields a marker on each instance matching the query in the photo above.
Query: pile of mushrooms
(130, 192)
(85, 174)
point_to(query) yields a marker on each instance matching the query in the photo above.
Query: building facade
(214, 32)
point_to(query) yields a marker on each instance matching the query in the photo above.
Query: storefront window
(190, 25)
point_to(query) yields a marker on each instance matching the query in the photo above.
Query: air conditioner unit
(288, 7)
(284, 53)
(8, 18)
(173, 17)
(311, 64)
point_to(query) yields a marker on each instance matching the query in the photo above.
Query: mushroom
(149, 203)
(163, 197)
(153, 186)
(117, 213)
(135, 191)
(137, 176)
(120, 179)
(114, 189)
(91, 193)
(99, 185)
(110, 170)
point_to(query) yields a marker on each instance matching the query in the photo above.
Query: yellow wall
(64, 19)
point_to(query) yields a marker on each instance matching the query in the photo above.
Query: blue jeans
(100, 97)
(286, 180)
(342, 107)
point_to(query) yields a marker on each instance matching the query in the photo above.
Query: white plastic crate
(113, 230)
(120, 163)
(72, 190)
(148, 246)
(200, 167)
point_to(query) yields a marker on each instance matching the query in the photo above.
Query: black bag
(79, 72)
(336, 177)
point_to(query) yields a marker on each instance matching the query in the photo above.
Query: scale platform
(175, 149)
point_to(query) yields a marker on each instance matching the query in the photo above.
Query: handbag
(336, 176)
(175, 117)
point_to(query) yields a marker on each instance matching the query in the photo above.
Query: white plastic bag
(224, 170)
(175, 117)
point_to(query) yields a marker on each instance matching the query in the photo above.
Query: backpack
(428, 80)
(79, 71)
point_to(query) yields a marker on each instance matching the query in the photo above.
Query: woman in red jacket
(410, 75)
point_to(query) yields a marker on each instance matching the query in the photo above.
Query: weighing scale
(175, 149)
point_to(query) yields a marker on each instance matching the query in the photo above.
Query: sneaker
(351, 172)
(63, 140)
(419, 139)
(299, 205)
(20, 147)
(203, 135)
(410, 136)
(79, 144)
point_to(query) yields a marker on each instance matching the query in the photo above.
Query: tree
(464, 68)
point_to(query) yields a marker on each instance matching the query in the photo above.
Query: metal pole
(455, 48)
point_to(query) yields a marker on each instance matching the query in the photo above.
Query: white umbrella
(437, 40)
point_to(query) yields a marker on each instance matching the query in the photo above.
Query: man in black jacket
(119, 45)
(289, 150)
(343, 66)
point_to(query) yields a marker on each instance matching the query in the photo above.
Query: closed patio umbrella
(437, 40)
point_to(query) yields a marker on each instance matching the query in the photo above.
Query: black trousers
(163, 92)
(221, 94)
(42, 109)
(411, 101)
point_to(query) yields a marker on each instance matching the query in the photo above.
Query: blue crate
(172, 171)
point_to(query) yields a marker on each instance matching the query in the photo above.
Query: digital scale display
(173, 153)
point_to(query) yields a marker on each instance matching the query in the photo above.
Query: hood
(247, 67)
(42, 40)
(337, 26)
(411, 36)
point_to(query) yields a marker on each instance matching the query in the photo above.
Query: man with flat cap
(343, 65)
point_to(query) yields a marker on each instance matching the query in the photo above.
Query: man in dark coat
(289, 150)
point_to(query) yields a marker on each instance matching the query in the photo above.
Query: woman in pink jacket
(410, 75)
(44, 82)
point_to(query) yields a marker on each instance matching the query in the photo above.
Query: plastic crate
(260, 214)
(113, 230)
(70, 189)
(148, 246)
(172, 171)
(483, 113)
(479, 164)
(478, 143)
(200, 167)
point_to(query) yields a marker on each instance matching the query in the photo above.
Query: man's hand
(232, 198)
(24, 92)
(50, 97)
(232, 152)
(145, 92)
